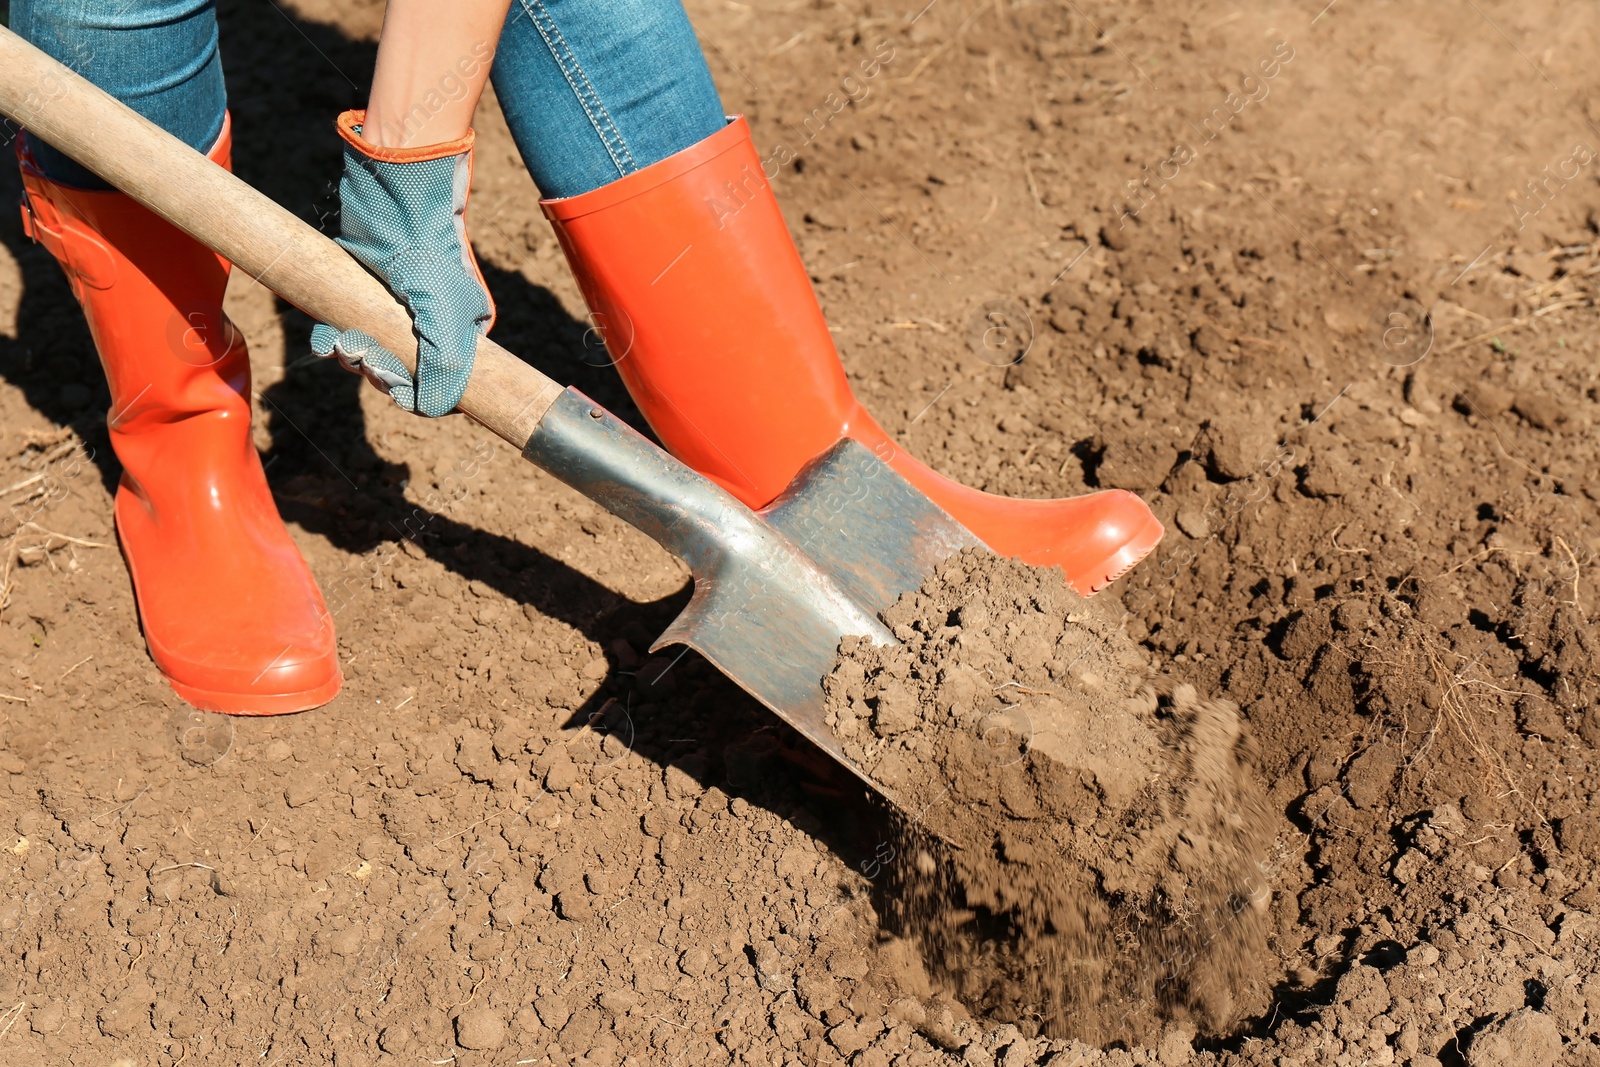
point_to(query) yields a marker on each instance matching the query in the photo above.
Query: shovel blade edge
(775, 590)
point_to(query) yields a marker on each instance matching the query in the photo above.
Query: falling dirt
(1109, 856)
(1318, 281)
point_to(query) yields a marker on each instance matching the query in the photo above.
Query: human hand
(402, 213)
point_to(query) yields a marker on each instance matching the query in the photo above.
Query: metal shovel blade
(774, 590)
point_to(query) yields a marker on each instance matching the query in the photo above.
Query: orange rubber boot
(710, 317)
(231, 613)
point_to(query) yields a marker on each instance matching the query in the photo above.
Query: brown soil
(1343, 342)
(1106, 855)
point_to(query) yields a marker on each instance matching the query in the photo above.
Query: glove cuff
(350, 129)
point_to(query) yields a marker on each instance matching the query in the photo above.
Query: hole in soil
(1277, 630)
(1385, 955)
(1091, 454)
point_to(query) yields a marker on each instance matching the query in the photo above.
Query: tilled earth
(1340, 331)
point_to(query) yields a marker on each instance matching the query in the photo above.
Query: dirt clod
(1111, 855)
(481, 1028)
(1525, 1038)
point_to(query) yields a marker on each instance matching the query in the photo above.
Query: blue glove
(403, 213)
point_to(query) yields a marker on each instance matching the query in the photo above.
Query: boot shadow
(51, 358)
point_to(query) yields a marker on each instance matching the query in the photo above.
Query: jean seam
(582, 88)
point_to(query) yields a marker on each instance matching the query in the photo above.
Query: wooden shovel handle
(277, 249)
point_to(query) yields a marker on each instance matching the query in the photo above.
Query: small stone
(481, 1028)
(1412, 417)
(596, 669)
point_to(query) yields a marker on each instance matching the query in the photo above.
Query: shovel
(774, 590)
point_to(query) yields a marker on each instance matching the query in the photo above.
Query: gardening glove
(402, 213)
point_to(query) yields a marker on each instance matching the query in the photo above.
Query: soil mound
(1087, 851)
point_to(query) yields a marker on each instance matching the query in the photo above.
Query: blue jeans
(157, 56)
(592, 89)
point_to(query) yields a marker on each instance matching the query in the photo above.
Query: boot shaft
(152, 296)
(692, 277)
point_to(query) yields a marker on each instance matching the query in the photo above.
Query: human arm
(433, 61)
